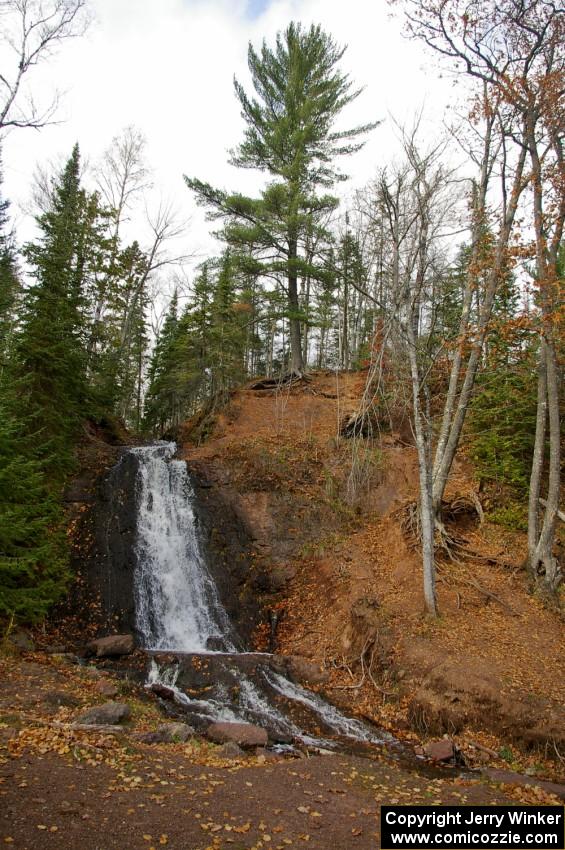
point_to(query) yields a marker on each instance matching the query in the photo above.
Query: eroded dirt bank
(340, 584)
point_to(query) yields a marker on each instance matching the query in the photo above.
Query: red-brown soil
(63, 788)
(490, 670)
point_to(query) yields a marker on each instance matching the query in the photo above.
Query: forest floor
(329, 556)
(326, 516)
(64, 788)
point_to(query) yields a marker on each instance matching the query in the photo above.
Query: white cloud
(168, 67)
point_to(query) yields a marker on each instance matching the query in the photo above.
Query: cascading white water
(178, 610)
(177, 606)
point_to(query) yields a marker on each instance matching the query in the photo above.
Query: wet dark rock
(111, 645)
(109, 714)
(245, 735)
(162, 691)
(79, 490)
(221, 679)
(227, 546)
(164, 658)
(216, 644)
(105, 568)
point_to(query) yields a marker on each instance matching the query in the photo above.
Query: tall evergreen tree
(290, 134)
(33, 559)
(50, 351)
(227, 332)
(162, 398)
(9, 283)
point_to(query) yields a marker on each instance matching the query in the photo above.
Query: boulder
(108, 714)
(168, 733)
(177, 733)
(67, 808)
(66, 658)
(230, 750)
(91, 672)
(164, 659)
(107, 689)
(264, 755)
(112, 645)
(162, 691)
(440, 750)
(246, 735)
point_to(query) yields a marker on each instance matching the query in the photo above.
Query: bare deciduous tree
(31, 32)
(517, 52)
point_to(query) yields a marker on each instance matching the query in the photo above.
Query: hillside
(338, 576)
(329, 580)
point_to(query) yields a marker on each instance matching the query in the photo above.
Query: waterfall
(178, 610)
(177, 605)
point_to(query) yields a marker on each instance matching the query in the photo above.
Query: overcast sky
(167, 67)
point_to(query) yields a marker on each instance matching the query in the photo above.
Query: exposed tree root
(291, 379)
(361, 423)
(366, 662)
(469, 581)
(450, 547)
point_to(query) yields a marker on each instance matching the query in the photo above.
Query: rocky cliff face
(104, 557)
(102, 598)
(227, 547)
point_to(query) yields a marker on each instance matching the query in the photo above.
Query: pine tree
(50, 352)
(290, 135)
(162, 398)
(227, 333)
(33, 561)
(9, 282)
